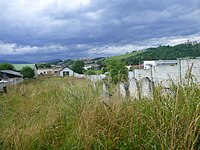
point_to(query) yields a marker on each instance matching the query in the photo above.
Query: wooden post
(4, 89)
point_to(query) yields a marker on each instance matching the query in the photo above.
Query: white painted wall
(186, 65)
(91, 77)
(166, 74)
(96, 77)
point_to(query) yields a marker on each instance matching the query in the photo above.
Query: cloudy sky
(35, 30)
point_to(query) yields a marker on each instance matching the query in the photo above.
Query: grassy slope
(67, 113)
(124, 56)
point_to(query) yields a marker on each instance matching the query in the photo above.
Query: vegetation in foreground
(68, 113)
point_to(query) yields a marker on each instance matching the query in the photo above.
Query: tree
(90, 72)
(117, 70)
(6, 66)
(77, 66)
(44, 65)
(27, 72)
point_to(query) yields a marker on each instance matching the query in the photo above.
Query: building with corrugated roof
(12, 77)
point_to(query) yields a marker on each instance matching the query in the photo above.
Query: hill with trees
(164, 53)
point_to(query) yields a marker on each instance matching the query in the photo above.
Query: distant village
(61, 68)
(159, 71)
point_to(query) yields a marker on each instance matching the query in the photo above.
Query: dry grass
(68, 113)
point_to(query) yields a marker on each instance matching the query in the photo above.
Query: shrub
(77, 66)
(27, 72)
(117, 70)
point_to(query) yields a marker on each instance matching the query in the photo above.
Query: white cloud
(95, 26)
(155, 42)
(94, 50)
(13, 48)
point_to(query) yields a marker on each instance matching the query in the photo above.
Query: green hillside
(164, 53)
(127, 55)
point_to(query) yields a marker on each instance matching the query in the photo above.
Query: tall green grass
(68, 113)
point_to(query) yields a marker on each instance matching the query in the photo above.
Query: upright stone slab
(1, 86)
(133, 88)
(123, 89)
(105, 93)
(146, 88)
(167, 93)
(95, 85)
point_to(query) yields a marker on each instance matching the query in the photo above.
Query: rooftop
(19, 67)
(11, 72)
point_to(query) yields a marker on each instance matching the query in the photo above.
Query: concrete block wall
(166, 74)
(193, 65)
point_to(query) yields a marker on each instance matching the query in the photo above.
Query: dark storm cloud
(69, 28)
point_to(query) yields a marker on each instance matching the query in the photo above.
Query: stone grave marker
(123, 89)
(167, 93)
(146, 88)
(105, 93)
(133, 88)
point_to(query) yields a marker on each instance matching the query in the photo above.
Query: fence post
(151, 73)
(4, 89)
(180, 73)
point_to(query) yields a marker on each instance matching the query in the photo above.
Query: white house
(48, 71)
(66, 72)
(153, 63)
(89, 66)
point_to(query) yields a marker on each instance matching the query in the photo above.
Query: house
(66, 72)
(19, 67)
(48, 71)
(191, 42)
(92, 66)
(131, 67)
(10, 74)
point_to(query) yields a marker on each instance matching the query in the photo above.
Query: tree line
(165, 53)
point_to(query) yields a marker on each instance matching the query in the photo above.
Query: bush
(77, 66)
(117, 70)
(27, 72)
(90, 72)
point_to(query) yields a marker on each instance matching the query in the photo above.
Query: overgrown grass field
(68, 113)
